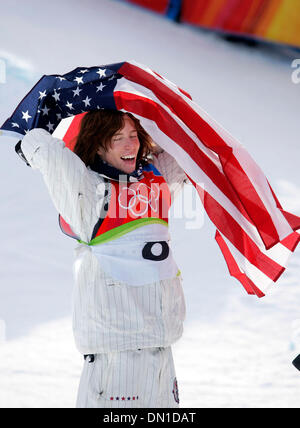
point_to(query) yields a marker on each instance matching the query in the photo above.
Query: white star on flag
(45, 110)
(78, 80)
(42, 94)
(70, 105)
(26, 116)
(50, 126)
(101, 72)
(15, 125)
(76, 91)
(87, 101)
(100, 87)
(83, 71)
(56, 96)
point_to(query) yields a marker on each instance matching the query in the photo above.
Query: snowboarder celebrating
(113, 193)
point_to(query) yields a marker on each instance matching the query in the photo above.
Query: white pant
(142, 378)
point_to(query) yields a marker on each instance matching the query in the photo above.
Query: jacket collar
(109, 171)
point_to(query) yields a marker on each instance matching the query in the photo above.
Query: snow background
(236, 350)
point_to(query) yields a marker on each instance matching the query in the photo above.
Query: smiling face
(124, 147)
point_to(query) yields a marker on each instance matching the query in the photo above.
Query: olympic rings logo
(139, 197)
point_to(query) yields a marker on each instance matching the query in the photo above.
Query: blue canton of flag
(56, 97)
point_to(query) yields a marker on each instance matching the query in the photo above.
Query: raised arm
(171, 171)
(71, 186)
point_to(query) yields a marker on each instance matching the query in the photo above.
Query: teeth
(127, 157)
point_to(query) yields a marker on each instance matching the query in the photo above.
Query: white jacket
(108, 315)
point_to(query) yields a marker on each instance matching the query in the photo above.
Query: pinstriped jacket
(108, 315)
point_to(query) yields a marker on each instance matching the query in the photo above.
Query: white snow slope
(236, 350)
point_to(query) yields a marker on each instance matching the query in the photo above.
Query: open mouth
(128, 158)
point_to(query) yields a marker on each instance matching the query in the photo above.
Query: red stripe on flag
(181, 90)
(151, 110)
(234, 269)
(291, 241)
(185, 93)
(72, 132)
(220, 217)
(292, 219)
(209, 137)
(239, 239)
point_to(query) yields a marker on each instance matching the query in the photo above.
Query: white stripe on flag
(125, 85)
(253, 172)
(278, 254)
(63, 126)
(260, 280)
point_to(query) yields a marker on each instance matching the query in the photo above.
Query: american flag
(254, 233)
